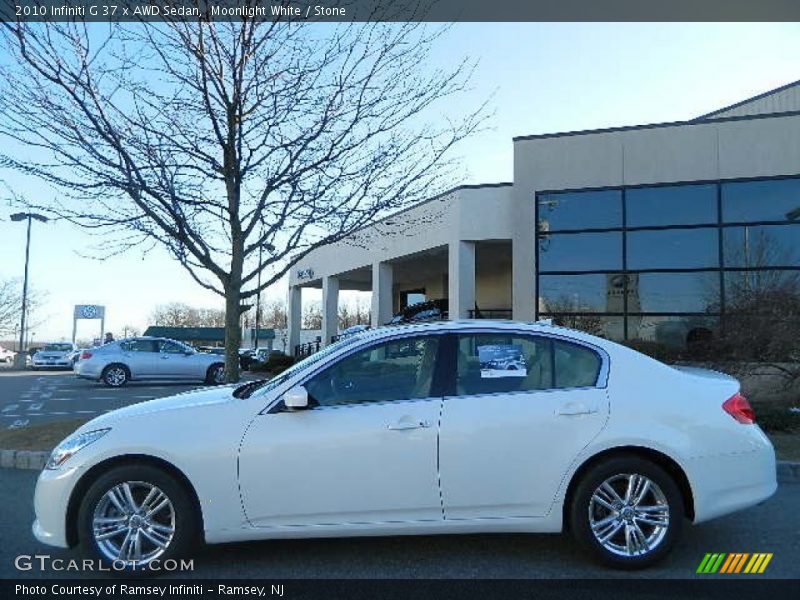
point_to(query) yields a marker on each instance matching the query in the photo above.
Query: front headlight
(66, 449)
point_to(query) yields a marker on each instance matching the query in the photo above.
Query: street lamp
(30, 217)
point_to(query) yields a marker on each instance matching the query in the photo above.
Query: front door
(365, 452)
(176, 362)
(523, 408)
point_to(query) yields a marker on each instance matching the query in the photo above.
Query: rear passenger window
(138, 346)
(575, 366)
(502, 363)
(505, 363)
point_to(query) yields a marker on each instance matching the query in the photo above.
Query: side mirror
(296, 398)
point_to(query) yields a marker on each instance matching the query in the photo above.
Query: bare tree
(11, 306)
(215, 140)
(353, 313)
(312, 316)
(179, 314)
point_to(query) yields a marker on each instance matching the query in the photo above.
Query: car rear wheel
(134, 515)
(216, 375)
(627, 512)
(115, 376)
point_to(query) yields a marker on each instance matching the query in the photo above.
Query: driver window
(397, 370)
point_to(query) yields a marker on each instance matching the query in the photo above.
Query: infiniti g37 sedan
(117, 363)
(396, 431)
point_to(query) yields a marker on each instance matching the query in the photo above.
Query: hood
(185, 401)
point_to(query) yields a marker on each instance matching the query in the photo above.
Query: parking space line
(9, 408)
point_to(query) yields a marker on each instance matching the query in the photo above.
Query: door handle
(575, 408)
(405, 425)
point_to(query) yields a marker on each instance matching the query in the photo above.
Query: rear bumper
(87, 370)
(727, 483)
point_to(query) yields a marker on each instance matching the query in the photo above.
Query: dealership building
(646, 232)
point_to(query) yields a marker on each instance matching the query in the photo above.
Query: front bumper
(723, 484)
(52, 364)
(50, 503)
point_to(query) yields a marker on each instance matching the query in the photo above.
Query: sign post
(88, 311)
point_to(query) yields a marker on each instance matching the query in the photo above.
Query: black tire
(115, 375)
(584, 509)
(215, 370)
(186, 521)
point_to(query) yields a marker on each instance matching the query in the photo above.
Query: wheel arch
(86, 480)
(669, 464)
(116, 364)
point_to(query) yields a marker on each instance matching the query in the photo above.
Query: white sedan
(395, 431)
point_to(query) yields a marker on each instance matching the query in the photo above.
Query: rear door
(521, 409)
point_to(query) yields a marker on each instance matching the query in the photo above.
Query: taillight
(85, 355)
(739, 408)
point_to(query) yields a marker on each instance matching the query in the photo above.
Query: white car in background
(7, 356)
(394, 431)
(54, 356)
(140, 358)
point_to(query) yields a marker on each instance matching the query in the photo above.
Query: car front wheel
(627, 512)
(134, 515)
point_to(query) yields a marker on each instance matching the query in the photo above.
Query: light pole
(19, 359)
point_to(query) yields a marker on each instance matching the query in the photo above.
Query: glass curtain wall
(671, 266)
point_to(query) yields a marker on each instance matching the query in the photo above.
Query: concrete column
(330, 308)
(523, 278)
(461, 280)
(382, 286)
(294, 315)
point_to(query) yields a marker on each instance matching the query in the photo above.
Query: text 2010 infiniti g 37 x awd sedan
(409, 430)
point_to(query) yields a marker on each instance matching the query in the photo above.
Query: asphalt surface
(774, 526)
(31, 397)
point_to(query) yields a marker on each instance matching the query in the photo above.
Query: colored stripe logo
(736, 562)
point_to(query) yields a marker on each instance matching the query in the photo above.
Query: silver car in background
(54, 356)
(154, 358)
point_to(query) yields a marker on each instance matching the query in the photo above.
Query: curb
(787, 472)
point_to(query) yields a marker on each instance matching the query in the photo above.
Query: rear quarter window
(575, 366)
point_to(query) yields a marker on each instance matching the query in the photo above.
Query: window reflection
(580, 252)
(754, 246)
(673, 249)
(580, 210)
(671, 205)
(674, 292)
(768, 200)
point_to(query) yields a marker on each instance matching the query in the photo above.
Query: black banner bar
(625, 585)
(303, 11)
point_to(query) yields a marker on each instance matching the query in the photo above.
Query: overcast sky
(543, 78)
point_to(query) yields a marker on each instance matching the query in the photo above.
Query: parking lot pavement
(771, 527)
(32, 397)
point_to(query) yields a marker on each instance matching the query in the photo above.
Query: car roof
(476, 324)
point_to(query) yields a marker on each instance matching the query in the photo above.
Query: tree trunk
(233, 332)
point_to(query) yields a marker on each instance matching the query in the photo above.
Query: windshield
(57, 348)
(247, 390)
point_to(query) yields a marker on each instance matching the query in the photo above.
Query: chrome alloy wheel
(629, 515)
(116, 376)
(218, 375)
(133, 523)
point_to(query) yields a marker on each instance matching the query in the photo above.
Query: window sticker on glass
(502, 361)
